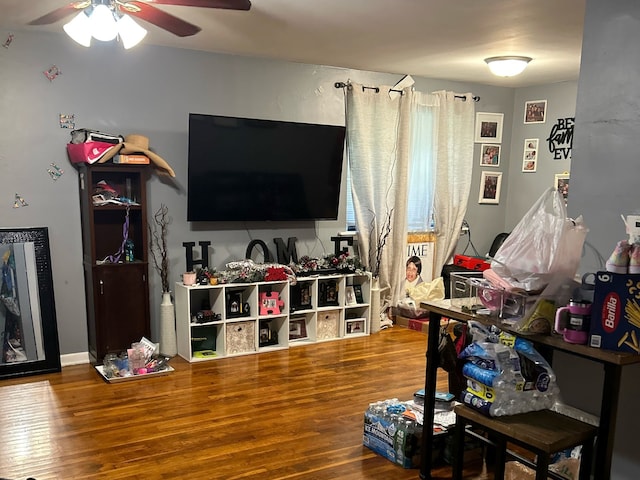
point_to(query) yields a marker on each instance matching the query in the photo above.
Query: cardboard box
(615, 314)
(136, 159)
(386, 439)
(419, 325)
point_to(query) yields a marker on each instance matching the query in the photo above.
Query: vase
(375, 305)
(168, 342)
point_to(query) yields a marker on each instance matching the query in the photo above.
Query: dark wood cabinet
(116, 285)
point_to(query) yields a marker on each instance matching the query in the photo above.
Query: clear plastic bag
(544, 244)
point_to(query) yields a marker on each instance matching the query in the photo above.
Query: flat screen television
(244, 169)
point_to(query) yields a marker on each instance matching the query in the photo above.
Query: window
(420, 214)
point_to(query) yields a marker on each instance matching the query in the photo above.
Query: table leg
(429, 394)
(608, 415)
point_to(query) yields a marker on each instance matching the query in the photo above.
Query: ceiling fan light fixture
(130, 32)
(103, 23)
(79, 29)
(507, 66)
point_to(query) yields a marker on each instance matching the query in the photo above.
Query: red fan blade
(228, 4)
(164, 20)
(60, 13)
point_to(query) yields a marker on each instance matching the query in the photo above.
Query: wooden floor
(291, 414)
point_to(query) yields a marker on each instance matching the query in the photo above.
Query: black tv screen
(243, 169)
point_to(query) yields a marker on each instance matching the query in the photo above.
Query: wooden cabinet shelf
(117, 291)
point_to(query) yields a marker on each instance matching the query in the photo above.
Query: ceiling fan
(144, 10)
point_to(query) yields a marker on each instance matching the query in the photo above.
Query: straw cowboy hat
(138, 144)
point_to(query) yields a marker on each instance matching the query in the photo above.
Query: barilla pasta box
(615, 314)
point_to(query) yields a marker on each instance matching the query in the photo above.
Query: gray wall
(150, 91)
(519, 189)
(604, 184)
(525, 187)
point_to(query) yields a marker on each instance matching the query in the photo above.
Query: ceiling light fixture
(507, 66)
(100, 21)
(103, 24)
(130, 32)
(79, 29)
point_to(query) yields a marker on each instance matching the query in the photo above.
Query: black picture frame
(234, 306)
(38, 290)
(305, 296)
(267, 335)
(357, 291)
(328, 293)
(300, 297)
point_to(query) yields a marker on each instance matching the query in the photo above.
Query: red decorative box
(471, 263)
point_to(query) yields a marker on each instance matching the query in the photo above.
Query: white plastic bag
(544, 244)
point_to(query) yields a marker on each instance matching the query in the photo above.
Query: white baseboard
(74, 359)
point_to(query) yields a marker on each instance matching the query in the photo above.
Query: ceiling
(447, 39)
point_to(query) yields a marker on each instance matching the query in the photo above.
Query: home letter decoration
(265, 251)
(338, 240)
(284, 254)
(204, 255)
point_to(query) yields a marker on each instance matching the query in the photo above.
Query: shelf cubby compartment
(240, 302)
(353, 313)
(273, 299)
(206, 305)
(207, 342)
(240, 337)
(303, 296)
(328, 325)
(302, 328)
(330, 292)
(273, 333)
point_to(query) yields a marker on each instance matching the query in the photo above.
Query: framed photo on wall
(561, 183)
(535, 111)
(530, 155)
(489, 127)
(490, 155)
(490, 183)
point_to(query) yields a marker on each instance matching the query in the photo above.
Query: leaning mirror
(28, 327)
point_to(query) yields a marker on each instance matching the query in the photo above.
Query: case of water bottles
(392, 435)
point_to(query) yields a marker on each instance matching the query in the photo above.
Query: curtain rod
(377, 90)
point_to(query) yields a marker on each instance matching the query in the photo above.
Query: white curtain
(454, 167)
(378, 154)
(425, 109)
(385, 136)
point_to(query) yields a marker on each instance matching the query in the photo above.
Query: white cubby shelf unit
(225, 320)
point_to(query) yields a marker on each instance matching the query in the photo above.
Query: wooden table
(613, 362)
